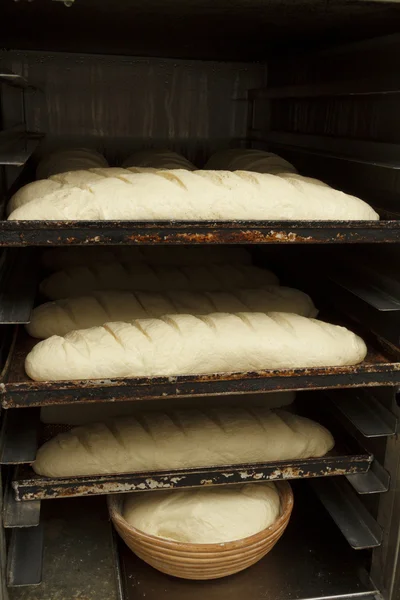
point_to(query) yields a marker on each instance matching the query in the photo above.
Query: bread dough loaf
(81, 178)
(160, 159)
(69, 160)
(182, 439)
(79, 281)
(206, 515)
(180, 195)
(60, 258)
(62, 316)
(79, 414)
(188, 345)
(241, 159)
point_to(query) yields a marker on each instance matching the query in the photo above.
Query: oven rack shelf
(380, 368)
(28, 486)
(68, 233)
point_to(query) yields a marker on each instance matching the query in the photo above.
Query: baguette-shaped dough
(62, 316)
(67, 180)
(182, 439)
(61, 258)
(79, 281)
(160, 159)
(70, 159)
(210, 515)
(80, 414)
(187, 345)
(241, 159)
(179, 195)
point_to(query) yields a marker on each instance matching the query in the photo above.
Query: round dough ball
(206, 515)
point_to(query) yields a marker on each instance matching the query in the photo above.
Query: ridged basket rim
(287, 500)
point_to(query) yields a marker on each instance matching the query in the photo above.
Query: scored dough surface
(62, 316)
(181, 195)
(190, 345)
(182, 439)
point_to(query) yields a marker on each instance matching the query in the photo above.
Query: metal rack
(67, 233)
(321, 569)
(17, 390)
(28, 486)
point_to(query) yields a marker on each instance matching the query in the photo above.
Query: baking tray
(67, 233)
(380, 368)
(30, 486)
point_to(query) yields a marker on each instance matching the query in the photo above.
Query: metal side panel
(385, 569)
(19, 436)
(78, 561)
(19, 514)
(25, 555)
(352, 518)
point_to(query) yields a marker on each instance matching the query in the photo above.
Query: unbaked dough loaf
(160, 159)
(78, 178)
(61, 258)
(79, 281)
(206, 515)
(179, 195)
(241, 159)
(79, 414)
(182, 439)
(188, 345)
(69, 160)
(62, 316)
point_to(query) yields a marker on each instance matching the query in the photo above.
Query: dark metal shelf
(78, 558)
(68, 233)
(14, 79)
(362, 87)
(17, 147)
(28, 486)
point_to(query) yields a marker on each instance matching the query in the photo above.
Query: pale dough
(62, 316)
(206, 515)
(64, 181)
(79, 414)
(189, 345)
(60, 258)
(69, 160)
(242, 159)
(182, 439)
(79, 281)
(160, 159)
(181, 195)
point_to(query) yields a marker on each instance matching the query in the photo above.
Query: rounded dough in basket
(206, 515)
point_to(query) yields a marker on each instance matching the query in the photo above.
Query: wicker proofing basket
(202, 561)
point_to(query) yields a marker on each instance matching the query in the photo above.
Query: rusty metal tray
(29, 486)
(380, 368)
(66, 233)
